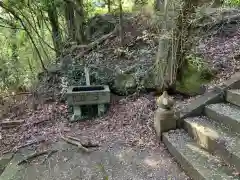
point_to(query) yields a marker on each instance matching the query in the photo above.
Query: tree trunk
(79, 22)
(121, 22)
(183, 32)
(173, 45)
(56, 35)
(158, 4)
(70, 21)
(109, 5)
(14, 49)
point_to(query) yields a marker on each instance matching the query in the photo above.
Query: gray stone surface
(117, 162)
(4, 160)
(232, 83)
(215, 138)
(196, 162)
(85, 97)
(217, 95)
(233, 96)
(196, 107)
(225, 113)
(164, 120)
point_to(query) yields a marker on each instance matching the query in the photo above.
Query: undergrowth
(195, 76)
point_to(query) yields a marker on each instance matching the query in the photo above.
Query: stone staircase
(207, 145)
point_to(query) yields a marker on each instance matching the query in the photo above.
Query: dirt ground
(116, 162)
(128, 147)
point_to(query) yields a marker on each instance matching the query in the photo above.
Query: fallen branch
(24, 145)
(11, 124)
(88, 145)
(93, 44)
(39, 122)
(34, 155)
(76, 143)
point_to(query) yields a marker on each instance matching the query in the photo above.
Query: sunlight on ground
(151, 162)
(125, 154)
(148, 160)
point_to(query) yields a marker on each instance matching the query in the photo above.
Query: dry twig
(76, 143)
(11, 124)
(87, 145)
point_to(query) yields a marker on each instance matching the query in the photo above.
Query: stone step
(233, 96)
(196, 162)
(226, 114)
(215, 138)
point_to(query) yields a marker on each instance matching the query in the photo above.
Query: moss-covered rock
(194, 77)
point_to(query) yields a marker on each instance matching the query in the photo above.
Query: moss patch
(194, 77)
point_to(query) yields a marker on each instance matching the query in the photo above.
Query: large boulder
(136, 78)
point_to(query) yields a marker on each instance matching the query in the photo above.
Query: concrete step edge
(227, 114)
(215, 138)
(233, 96)
(196, 162)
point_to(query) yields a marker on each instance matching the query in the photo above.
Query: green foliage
(232, 2)
(29, 48)
(196, 74)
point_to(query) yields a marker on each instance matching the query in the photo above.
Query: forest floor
(128, 147)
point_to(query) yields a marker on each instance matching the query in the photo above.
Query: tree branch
(10, 27)
(12, 12)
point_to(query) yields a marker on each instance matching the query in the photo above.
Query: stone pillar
(164, 120)
(77, 113)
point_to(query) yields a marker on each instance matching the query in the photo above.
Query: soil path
(117, 162)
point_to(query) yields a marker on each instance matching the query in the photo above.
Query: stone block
(215, 138)
(226, 114)
(88, 95)
(195, 161)
(216, 95)
(164, 120)
(233, 96)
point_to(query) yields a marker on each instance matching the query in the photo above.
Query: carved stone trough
(79, 97)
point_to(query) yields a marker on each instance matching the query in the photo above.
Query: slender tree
(79, 22)
(109, 5)
(120, 22)
(56, 34)
(70, 20)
